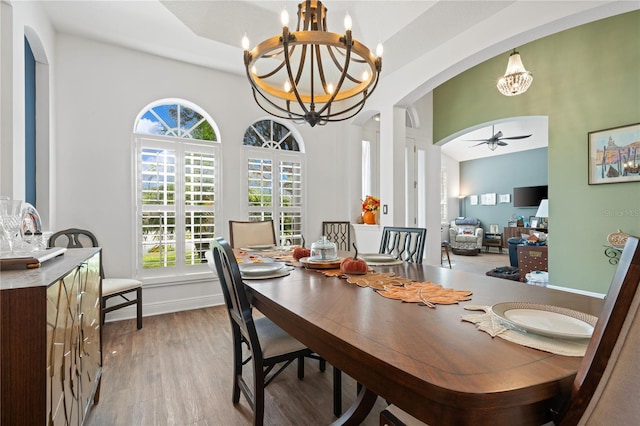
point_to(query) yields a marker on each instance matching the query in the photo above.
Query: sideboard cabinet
(51, 353)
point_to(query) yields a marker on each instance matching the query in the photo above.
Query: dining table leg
(359, 410)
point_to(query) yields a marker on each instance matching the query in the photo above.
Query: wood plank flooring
(479, 264)
(176, 370)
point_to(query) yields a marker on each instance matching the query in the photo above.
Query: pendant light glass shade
(516, 79)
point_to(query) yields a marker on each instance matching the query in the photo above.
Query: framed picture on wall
(504, 198)
(473, 200)
(614, 155)
(488, 199)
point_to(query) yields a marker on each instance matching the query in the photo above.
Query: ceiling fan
(496, 140)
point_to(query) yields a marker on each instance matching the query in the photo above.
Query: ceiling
(463, 147)
(425, 42)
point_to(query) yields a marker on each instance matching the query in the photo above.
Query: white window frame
(180, 272)
(277, 156)
(370, 170)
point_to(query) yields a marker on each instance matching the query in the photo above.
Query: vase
(369, 217)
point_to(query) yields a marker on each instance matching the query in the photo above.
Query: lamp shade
(543, 209)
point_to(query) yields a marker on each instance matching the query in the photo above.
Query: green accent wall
(585, 79)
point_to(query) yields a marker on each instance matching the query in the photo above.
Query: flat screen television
(530, 196)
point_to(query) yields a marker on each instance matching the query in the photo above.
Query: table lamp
(543, 212)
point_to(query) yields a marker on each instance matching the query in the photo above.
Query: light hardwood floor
(479, 264)
(176, 370)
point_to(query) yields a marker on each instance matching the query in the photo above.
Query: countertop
(49, 272)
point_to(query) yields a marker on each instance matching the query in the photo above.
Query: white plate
(320, 260)
(260, 268)
(377, 257)
(260, 247)
(282, 272)
(547, 320)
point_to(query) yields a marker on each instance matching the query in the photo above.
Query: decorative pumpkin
(353, 265)
(300, 252)
(618, 239)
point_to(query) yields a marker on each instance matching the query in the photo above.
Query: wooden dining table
(426, 361)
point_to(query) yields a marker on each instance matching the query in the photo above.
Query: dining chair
(605, 389)
(245, 234)
(122, 288)
(338, 232)
(404, 243)
(271, 349)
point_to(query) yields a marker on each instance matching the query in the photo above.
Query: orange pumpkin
(301, 252)
(353, 265)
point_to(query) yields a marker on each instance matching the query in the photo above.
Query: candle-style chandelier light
(311, 74)
(516, 78)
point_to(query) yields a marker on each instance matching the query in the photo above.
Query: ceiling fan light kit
(516, 79)
(310, 74)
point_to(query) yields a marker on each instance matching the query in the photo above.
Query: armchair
(466, 236)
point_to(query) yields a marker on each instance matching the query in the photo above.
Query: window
(29, 123)
(444, 214)
(275, 166)
(177, 152)
(366, 169)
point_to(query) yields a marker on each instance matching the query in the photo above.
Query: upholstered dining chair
(404, 243)
(605, 390)
(338, 232)
(122, 288)
(245, 234)
(271, 349)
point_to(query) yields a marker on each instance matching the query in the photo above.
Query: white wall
(98, 91)
(101, 89)
(453, 186)
(17, 19)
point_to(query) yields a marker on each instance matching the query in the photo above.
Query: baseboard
(165, 307)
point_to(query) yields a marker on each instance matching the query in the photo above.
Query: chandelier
(516, 79)
(311, 74)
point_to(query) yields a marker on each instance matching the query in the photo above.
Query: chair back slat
(620, 306)
(235, 295)
(404, 243)
(338, 232)
(75, 238)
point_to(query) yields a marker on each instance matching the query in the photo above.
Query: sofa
(466, 236)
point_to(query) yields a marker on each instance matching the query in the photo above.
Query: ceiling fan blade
(517, 137)
(476, 140)
(478, 144)
(502, 143)
(497, 135)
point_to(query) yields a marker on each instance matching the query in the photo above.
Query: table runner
(488, 322)
(391, 286)
(388, 285)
